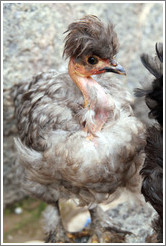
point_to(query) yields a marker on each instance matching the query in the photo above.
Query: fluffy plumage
(154, 93)
(79, 140)
(152, 171)
(90, 36)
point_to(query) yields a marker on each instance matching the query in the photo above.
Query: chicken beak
(114, 67)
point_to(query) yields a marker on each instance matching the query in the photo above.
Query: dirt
(19, 228)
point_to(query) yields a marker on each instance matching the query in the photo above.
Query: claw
(117, 230)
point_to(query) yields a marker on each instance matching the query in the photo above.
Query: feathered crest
(90, 36)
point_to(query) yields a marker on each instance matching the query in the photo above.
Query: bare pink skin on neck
(86, 84)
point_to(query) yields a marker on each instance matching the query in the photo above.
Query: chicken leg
(102, 228)
(55, 230)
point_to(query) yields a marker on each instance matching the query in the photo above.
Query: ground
(27, 226)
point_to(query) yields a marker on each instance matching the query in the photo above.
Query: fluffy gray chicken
(78, 138)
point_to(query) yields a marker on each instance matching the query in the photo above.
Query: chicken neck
(95, 99)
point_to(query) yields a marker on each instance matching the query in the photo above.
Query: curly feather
(89, 36)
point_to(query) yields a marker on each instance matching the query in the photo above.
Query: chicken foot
(102, 228)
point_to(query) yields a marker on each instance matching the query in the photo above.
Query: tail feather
(152, 171)
(154, 93)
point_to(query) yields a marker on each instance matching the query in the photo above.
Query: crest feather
(89, 36)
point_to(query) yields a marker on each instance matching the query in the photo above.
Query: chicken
(78, 138)
(152, 171)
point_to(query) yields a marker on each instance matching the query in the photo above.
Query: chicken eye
(92, 60)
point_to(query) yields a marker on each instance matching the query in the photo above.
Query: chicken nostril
(113, 63)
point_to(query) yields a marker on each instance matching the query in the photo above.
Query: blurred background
(33, 42)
